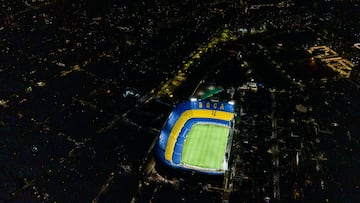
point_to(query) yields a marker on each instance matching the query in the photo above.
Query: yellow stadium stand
(189, 114)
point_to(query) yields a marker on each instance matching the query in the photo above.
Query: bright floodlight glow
(231, 102)
(193, 99)
(225, 165)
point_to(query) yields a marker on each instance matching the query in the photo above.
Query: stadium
(197, 136)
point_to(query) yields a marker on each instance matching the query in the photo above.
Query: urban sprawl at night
(180, 101)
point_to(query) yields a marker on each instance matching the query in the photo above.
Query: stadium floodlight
(192, 99)
(231, 102)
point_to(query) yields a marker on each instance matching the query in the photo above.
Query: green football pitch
(205, 146)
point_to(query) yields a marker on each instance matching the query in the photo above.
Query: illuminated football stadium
(197, 136)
